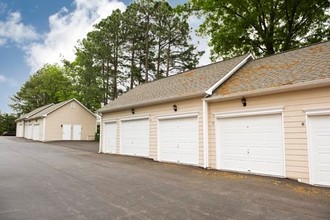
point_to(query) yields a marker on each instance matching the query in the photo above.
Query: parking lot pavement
(71, 181)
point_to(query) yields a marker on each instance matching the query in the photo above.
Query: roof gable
(53, 108)
(191, 83)
(32, 113)
(291, 68)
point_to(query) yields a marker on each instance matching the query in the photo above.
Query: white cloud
(9, 81)
(2, 79)
(66, 28)
(13, 30)
(202, 42)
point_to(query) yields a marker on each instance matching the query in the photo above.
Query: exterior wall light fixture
(133, 111)
(243, 100)
(175, 108)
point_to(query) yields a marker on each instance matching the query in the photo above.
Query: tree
(264, 27)
(47, 85)
(172, 37)
(7, 122)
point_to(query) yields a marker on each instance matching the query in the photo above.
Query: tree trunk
(147, 50)
(132, 67)
(168, 59)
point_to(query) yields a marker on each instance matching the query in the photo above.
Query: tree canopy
(147, 41)
(47, 85)
(262, 27)
(7, 122)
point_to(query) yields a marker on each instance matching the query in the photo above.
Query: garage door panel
(178, 140)
(135, 137)
(319, 144)
(35, 136)
(251, 143)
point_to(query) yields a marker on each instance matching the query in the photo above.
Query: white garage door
(35, 132)
(26, 130)
(178, 140)
(319, 146)
(20, 130)
(30, 131)
(109, 137)
(251, 144)
(135, 137)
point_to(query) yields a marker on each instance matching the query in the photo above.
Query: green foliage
(264, 27)
(47, 85)
(7, 123)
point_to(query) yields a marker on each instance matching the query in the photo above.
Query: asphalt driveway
(69, 180)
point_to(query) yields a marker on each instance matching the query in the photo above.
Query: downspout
(101, 136)
(205, 133)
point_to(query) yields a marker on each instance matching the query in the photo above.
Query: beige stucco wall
(185, 106)
(73, 116)
(295, 130)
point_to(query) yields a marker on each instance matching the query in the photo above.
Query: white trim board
(132, 118)
(181, 115)
(317, 111)
(261, 111)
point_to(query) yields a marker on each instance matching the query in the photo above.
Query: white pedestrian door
(36, 132)
(66, 132)
(319, 148)
(135, 137)
(178, 140)
(251, 144)
(109, 137)
(77, 132)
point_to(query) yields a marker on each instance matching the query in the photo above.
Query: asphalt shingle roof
(293, 67)
(32, 113)
(50, 109)
(187, 84)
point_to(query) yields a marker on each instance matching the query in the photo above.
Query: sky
(36, 32)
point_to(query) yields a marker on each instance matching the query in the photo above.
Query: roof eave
(148, 103)
(269, 91)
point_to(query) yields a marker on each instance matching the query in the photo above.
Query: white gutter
(101, 136)
(205, 134)
(231, 72)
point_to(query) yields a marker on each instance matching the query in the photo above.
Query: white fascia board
(317, 111)
(229, 74)
(250, 112)
(178, 115)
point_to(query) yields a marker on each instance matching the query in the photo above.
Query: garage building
(68, 120)
(267, 116)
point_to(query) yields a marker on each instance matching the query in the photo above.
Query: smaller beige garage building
(68, 120)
